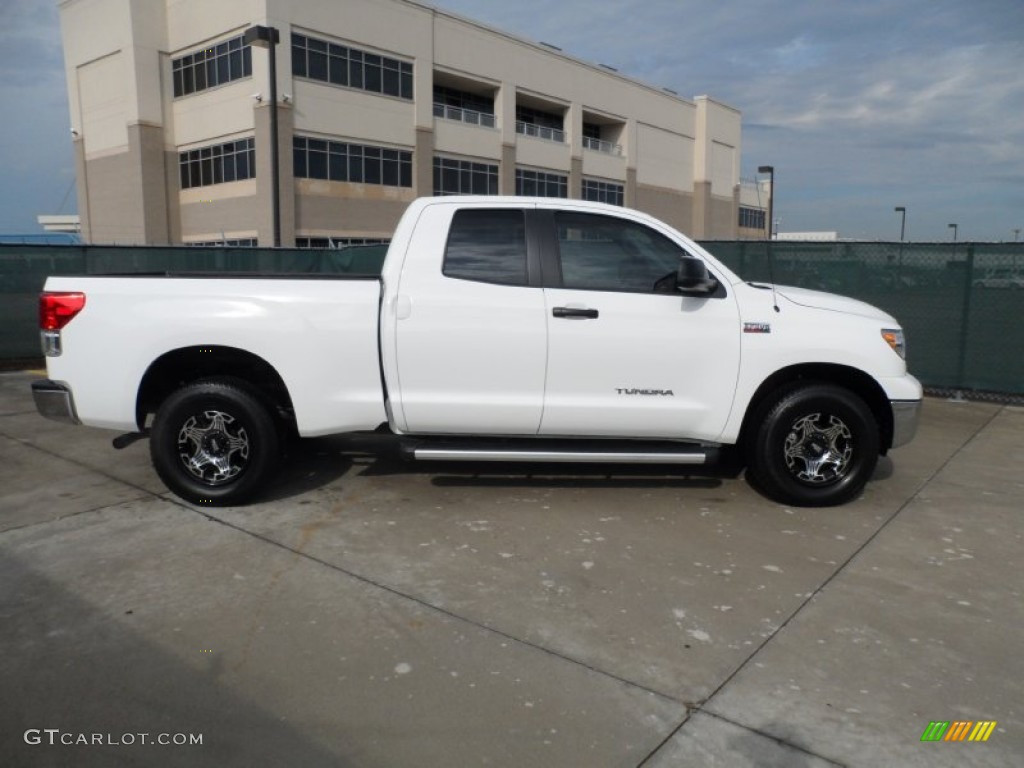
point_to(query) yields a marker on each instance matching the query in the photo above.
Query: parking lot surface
(371, 612)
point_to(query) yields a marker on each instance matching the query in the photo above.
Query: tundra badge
(630, 391)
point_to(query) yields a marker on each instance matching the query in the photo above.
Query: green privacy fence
(24, 269)
(962, 304)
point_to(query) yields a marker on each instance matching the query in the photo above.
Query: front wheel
(214, 443)
(813, 446)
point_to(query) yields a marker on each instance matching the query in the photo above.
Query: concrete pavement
(370, 612)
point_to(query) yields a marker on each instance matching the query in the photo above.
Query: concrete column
(701, 209)
(576, 177)
(574, 128)
(733, 232)
(82, 188)
(264, 211)
(505, 108)
(507, 171)
(172, 173)
(629, 193)
(146, 150)
(286, 140)
(423, 162)
(123, 195)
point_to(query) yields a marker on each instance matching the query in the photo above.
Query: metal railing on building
(462, 115)
(599, 145)
(540, 132)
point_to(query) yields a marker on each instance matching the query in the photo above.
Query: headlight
(894, 338)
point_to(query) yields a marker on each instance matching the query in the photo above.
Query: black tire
(214, 443)
(814, 446)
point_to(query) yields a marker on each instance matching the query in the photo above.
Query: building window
(487, 246)
(338, 242)
(453, 104)
(541, 184)
(350, 67)
(539, 124)
(752, 218)
(210, 67)
(238, 242)
(463, 177)
(603, 192)
(338, 161)
(219, 164)
(538, 117)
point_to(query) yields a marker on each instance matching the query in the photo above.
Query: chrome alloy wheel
(818, 451)
(213, 447)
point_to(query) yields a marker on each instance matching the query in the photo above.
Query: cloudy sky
(861, 105)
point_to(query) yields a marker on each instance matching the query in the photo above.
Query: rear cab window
(487, 246)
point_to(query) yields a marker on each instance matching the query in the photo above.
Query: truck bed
(319, 332)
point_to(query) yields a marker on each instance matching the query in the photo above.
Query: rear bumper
(906, 414)
(54, 401)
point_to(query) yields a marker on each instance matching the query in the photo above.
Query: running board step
(441, 454)
(596, 452)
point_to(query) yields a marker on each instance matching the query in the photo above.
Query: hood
(834, 303)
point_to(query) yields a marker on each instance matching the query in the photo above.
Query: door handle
(575, 313)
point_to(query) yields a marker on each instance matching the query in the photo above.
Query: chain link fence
(24, 269)
(961, 304)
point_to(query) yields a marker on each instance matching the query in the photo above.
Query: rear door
(629, 356)
(470, 333)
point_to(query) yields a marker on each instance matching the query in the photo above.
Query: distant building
(753, 209)
(57, 230)
(379, 103)
(808, 236)
(63, 223)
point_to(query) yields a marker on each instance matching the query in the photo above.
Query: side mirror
(693, 279)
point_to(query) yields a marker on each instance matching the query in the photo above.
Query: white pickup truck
(499, 329)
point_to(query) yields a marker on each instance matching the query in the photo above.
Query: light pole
(770, 170)
(269, 37)
(902, 211)
(903, 220)
(954, 228)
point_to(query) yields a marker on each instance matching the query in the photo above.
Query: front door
(628, 356)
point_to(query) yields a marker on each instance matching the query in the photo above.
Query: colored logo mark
(958, 730)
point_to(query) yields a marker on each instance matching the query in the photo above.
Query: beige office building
(378, 102)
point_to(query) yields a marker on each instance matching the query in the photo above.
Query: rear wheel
(214, 443)
(816, 445)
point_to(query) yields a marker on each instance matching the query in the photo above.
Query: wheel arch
(185, 365)
(852, 379)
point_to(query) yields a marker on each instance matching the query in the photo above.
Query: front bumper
(54, 401)
(906, 414)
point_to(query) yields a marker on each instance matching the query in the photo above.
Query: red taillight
(58, 308)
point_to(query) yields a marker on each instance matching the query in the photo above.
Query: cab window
(487, 246)
(605, 253)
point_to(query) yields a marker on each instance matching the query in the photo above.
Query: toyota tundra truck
(499, 329)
